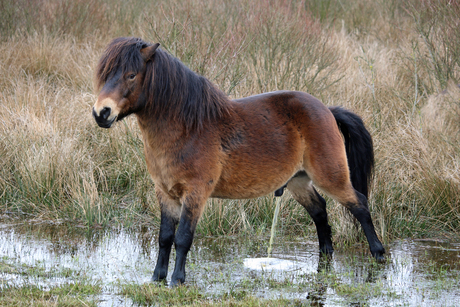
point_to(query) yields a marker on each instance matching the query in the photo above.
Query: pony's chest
(160, 167)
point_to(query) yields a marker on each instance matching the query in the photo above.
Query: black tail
(359, 148)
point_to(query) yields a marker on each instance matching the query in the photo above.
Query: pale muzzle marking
(107, 103)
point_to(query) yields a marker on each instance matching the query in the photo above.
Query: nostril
(105, 112)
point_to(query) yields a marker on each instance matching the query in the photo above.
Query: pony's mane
(172, 91)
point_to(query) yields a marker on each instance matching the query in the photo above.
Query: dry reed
(370, 57)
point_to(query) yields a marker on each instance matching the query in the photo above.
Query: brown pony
(199, 144)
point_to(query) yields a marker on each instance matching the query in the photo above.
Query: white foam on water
(272, 264)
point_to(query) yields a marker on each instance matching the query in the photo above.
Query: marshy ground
(57, 265)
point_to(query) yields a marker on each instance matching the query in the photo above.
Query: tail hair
(358, 146)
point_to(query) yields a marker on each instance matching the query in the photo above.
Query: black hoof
(176, 283)
(326, 251)
(158, 278)
(379, 256)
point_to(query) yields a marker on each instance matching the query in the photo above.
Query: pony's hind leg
(326, 163)
(303, 191)
(356, 202)
(360, 210)
(170, 212)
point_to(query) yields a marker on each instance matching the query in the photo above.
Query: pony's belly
(243, 194)
(250, 188)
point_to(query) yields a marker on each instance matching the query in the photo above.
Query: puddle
(418, 273)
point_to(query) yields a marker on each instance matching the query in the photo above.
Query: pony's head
(120, 78)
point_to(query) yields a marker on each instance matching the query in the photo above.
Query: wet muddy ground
(417, 273)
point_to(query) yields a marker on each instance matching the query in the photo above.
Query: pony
(198, 143)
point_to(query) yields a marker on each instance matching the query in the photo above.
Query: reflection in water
(317, 297)
(223, 264)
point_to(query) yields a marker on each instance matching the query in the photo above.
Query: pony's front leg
(191, 212)
(170, 212)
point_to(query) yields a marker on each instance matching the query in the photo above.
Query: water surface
(418, 273)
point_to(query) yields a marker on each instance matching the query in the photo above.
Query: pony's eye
(131, 76)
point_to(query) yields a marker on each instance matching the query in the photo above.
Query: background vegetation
(395, 63)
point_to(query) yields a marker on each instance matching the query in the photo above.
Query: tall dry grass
(385, 60)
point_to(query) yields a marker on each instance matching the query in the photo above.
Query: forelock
(121, 53)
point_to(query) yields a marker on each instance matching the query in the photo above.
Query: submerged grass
(154, 295)
(74, 294)
(101, 271)
(357, 280)
(385, 60)
(79, 292)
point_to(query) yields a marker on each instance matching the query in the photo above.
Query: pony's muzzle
(103, 118)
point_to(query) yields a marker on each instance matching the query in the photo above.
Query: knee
(166, 238)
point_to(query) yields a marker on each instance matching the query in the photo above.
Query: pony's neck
(175, 94)
(159, 128)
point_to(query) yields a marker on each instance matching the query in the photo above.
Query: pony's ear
(149, 51)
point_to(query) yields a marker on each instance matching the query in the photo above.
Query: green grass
(74, 294)
(153, 295)
(76, 290)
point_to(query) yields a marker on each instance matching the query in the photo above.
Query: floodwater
(417, 273)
